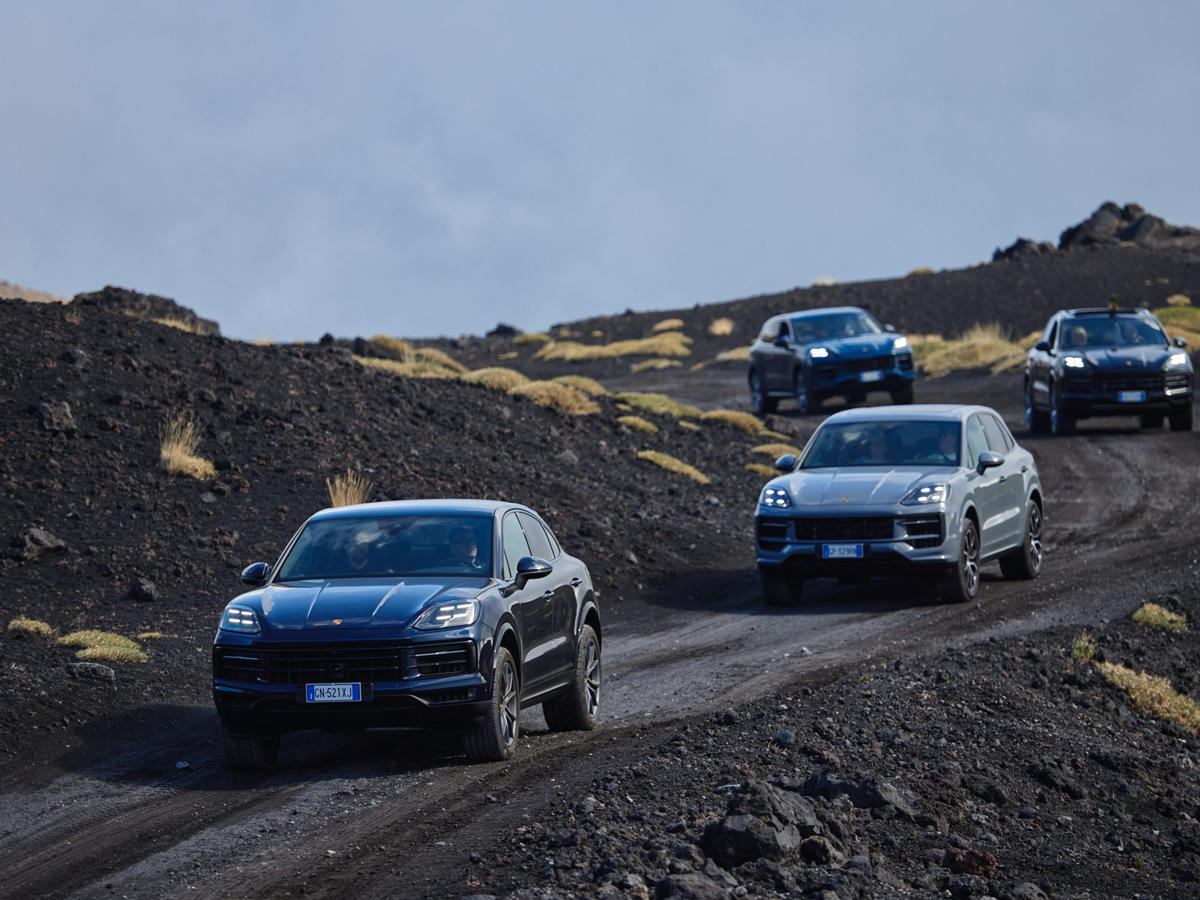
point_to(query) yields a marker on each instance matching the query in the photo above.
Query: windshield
(390, 547)
(1106, 331)
(884, 444)
(832, 326)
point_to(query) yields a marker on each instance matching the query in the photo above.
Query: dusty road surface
(398, 814)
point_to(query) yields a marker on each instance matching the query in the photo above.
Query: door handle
(1003, 478)
(548, 595)
(576, 582)
(1024, 469)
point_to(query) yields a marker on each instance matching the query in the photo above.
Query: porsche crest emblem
(337, 621)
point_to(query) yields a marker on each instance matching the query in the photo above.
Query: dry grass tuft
(667, 325)
(737, 354)
(1082, 648)
(775, 450)
(981, 346)
(179, 439)
(104, 646)
(513, 354)
(348, 489)
(654, 365)
(402, 348)
(919, 270)
(112, 654)
(408, 369)
(669, 343)
(441, 358)
(760, 469)
(1182, 321)
(637, 423)
(149, 635)
(1156, 616)
(1153, 695)
(1179, 300)
(496, 378)
(179, 325)
(418, 356)
(37, 628)
(557, 396)
(659, 403)
(75, 317)
(261, 342)
(589, 386)
(671, 464)
(743, 421)
(689, 426)
(534, 337)
(720, 327)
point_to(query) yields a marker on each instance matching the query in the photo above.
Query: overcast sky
(417, 169)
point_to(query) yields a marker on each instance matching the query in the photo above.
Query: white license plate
(1131, 397)
(870, 376)
(333, 693)
(842, 551)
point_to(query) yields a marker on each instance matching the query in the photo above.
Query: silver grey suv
(932, 490)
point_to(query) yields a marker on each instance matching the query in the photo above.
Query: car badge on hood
(845, 499)
(1129, 362)
(337, 621)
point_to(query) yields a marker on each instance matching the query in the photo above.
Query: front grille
(844, 528)
(366, 664)
(1109, 384)
(772, 533)
(442, 659)
(369, 664)
(239, 665)
(922, 532)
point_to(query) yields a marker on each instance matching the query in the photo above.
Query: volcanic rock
(147, 306)
(865, 794)
(91, 670)
(691, 886)
(57, 418)
(969, 862)
(143, 590)
(33, 543)
(762, 821)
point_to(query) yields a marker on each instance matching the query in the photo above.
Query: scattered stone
(782, 739)
(691, 886)
(969, 862)
(33, 543)
(57, 418)
(762, 821)
(729, 717)
(866, 794)
(91, 670)
(143, 591)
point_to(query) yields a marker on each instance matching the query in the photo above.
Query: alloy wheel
(802, 401)
(508, 704)
(756, 394)
(1029, 406)
(1035, 538)
(970, 559)
(591, 677)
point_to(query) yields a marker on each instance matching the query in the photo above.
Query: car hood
(1126, 359)
(355, 602)
(859, 346)
(857, 487)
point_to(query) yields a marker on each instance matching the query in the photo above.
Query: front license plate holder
(1131, 397)
(345, 692)
(870, 376)
(841, 551)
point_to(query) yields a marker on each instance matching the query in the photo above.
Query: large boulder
(147, 306)
(762, 822)
(864, 793)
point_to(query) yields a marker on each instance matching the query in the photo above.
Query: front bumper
(893, 544)
(1100, 393)
(260, 686)
(859, 376)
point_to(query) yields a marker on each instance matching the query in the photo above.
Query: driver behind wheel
(463, 550)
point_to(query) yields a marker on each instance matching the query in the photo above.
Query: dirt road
(392, 815)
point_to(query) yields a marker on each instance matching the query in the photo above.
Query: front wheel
(1183, 420)
(495, 738)
(1061, 422)
(1025, 562)
(579, 708)
(1036, 420)
(759, 400)
(961, 584)
(806, 403)
(249, 752)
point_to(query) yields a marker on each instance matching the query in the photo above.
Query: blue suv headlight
(775, 497)
(449, 615)
(240, 619)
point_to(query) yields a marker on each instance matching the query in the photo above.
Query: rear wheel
(1061, 422)
(249, 752)
(495, 738)
(1025, 562)
(1152, 420)
(1036, 420)
(806, 403)
(1183, 419)
(903, 396)
(779, 591)
(759, 400)
(961, 584)
(579, 709)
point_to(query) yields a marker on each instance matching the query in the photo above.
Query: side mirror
(529, 568)
(256, 574)
(1042, 346)
(989, 459)
(782, 341)
(1180, 342)
(786, 463)
(890, 328)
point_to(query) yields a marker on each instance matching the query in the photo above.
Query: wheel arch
(590, 615)
(507, 637)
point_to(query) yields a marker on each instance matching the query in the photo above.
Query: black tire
(781, 591)
(249, 752)
(903, 396)
(1061, 422)
(1036, 420)
(961, 584)
(1150, 421)
(806, 403)
(1183, 419)
(579, 709)
(762, 404)
(1025, 563)
(495, 738)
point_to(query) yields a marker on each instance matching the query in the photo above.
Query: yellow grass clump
(671, 464)
(760, 469)
(513, 354)
(534, 337)
(669, 343)
(667, 325)
(430, 356)
(22, 625)
(589, 386)
(775, 450)
(408, 369)
(148, 635)
(74, 316)
(1182, 321)
(720, 327)
(104, 646)
(557, 396)
(178, 324)
(1153, 695)
(1154, 615)
(348, 489)
(659, 403)
(179, 439)
(1179, 300)
(637, 423)
(1082, 648)
(737, 354)
(981, 346)
(689, 426)
(743, 421)
(654, 365)
(496, 378)
(919, 270)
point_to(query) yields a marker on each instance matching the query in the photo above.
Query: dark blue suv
(820, 353)
(443, 612)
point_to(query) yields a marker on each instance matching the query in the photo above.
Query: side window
(785, 331)
(770, 331)
(1052, 333)
(539, 544)
(976, 441)
(515, 545)
(995, 434)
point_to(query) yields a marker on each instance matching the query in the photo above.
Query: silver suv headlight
(926, 493)
(775, 497)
